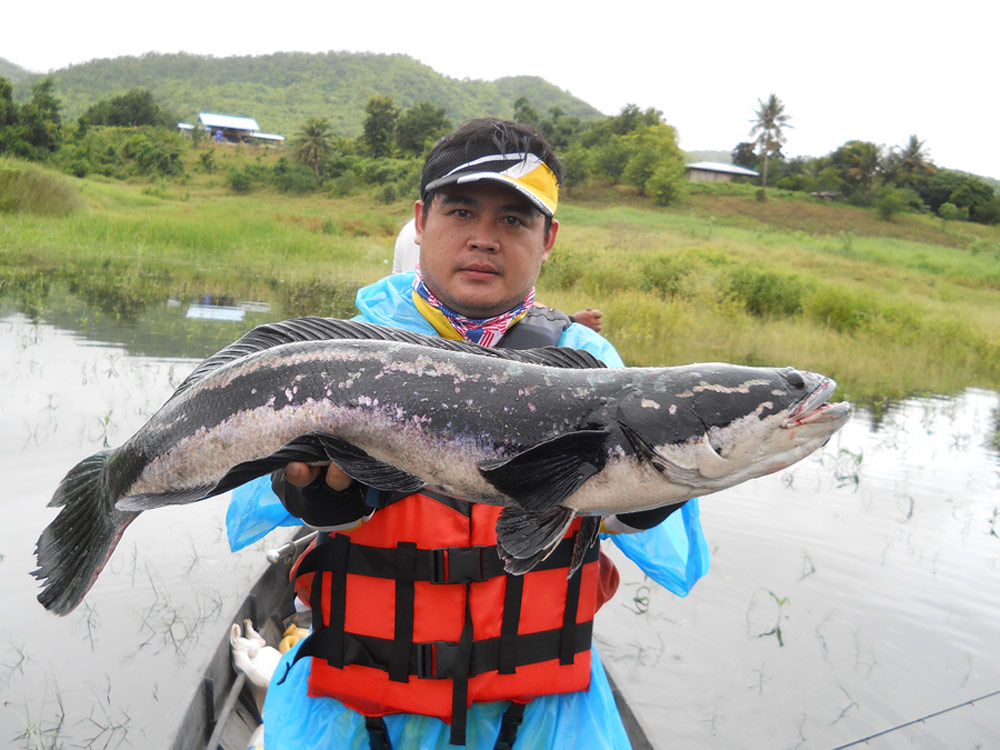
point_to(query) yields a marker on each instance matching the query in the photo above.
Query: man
(414, 619)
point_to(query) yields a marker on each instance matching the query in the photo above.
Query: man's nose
(484, 237)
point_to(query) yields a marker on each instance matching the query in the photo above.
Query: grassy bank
(887, 308)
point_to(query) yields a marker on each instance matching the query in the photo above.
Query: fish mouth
(815, 409)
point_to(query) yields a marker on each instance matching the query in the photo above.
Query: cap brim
(458, 179)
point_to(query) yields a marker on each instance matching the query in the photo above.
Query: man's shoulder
(579, 336)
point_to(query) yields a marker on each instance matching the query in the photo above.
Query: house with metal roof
(231, 129)
(713, 171)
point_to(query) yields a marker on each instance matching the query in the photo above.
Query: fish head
(723, 424)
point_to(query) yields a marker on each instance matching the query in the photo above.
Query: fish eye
(715, 445)
(795, 379)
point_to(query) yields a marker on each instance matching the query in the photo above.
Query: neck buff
(454, 325)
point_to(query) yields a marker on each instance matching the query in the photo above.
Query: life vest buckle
(438, 660)
(459, 565)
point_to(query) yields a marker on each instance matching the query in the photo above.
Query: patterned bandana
(448, 323)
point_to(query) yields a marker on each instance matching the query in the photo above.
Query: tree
(656, 164)
(913, 158)
(577, 164)
(313, 143)
(132, 109)
(860, 163)
(610, 157)
(560, 129)
(380, 125)
(745, 155)
(420, 127)
(525, 113)
(34, 129)
(768, 131)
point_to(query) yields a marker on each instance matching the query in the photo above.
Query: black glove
(319, 505)
(647, 519)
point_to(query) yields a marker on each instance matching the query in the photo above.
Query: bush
(765, 293)
(839, 309)
(294, 178)
(34, 191)
(949, 212)
(388, 193)
(153, 156)
(239, 181)
(889, 201)
(664, 274)
(343, 185)
(667, 183)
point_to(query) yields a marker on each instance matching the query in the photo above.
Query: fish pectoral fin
(586, 537)
(306, 448)
(369, 471)
(320, 447)
(545, 474)
(526, 537)
(673, 472)
(148, 501)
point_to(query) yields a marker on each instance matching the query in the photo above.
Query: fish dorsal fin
(547, 473)
(270, 335)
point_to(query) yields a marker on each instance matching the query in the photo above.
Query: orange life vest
(413, 613)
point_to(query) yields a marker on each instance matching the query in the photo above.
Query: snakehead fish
(550, 434)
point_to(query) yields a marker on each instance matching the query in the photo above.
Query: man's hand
(590, 318)
(301, 474)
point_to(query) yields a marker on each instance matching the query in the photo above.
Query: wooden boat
(224, 714)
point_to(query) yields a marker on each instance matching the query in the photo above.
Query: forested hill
(281, 90)
(12, 72)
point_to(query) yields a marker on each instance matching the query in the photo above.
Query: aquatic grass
(885, 315)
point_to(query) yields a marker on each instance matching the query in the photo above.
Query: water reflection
(112, 672)
(847, 595)
(138, 310)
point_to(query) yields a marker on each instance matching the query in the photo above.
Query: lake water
(849, 594)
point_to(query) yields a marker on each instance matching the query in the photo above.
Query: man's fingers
(300, 474)
(337, 479)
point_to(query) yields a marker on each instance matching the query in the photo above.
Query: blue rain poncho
(674, 554)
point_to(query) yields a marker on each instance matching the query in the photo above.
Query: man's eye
(512, 221)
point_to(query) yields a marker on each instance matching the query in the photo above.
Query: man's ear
(550, 239)
(418, 220)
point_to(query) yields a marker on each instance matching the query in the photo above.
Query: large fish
(548, 433)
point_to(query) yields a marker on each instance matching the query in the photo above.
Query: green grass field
(887, 308)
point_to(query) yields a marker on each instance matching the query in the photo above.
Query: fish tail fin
(75, 546)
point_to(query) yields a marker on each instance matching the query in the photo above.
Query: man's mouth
(479, 269)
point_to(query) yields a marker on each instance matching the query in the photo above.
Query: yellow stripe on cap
(530, 176)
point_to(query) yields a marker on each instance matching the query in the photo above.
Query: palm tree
(868, 162)
(313, 143)
(767, 128)
(913, 159)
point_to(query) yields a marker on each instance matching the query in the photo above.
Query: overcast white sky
(878, 70)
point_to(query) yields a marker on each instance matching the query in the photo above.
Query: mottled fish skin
(531, 437)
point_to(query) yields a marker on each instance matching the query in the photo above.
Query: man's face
(482, 246)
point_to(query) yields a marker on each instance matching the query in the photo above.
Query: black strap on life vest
(509, 725)
(335, 557)
(540, 326)
(378, 733)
